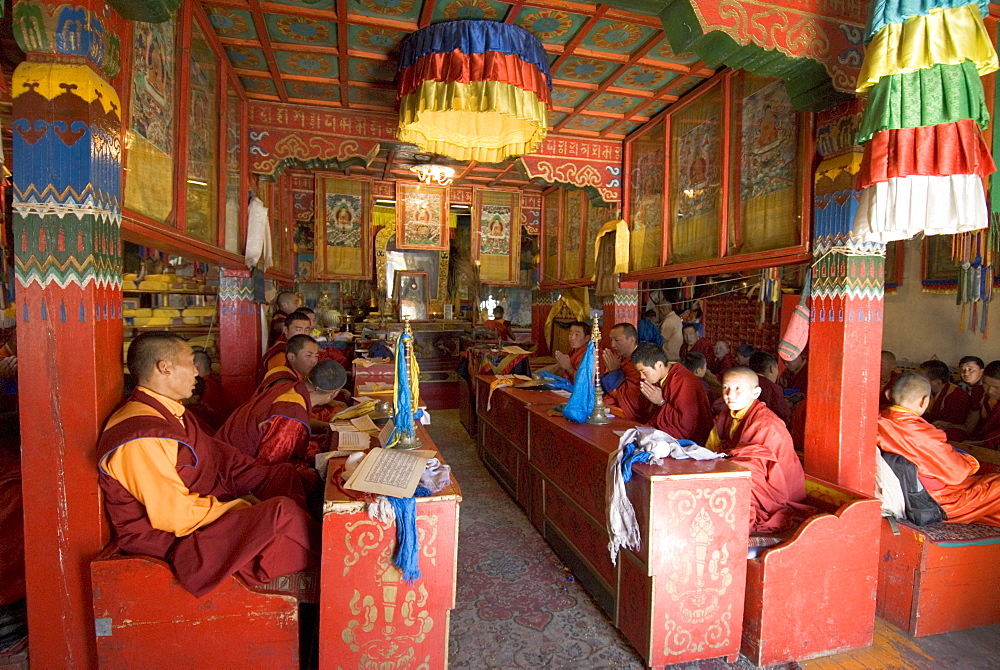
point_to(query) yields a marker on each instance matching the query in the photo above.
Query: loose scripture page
(388, 472)
(364, 424)
(352, 441)
(386, 432)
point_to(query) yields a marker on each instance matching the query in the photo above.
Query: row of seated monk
(964, 406)
(750, 424)
(238, 497)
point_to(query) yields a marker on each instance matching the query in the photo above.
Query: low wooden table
(370, 617)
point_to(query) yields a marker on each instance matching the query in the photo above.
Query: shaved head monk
(888, 374)
(301, 356)
(698, 366)
(579, 335)
(694, 343)
(274, 426)
(680, 403)
(948, 474)
(987, 430)
(621, 380)
(296, 323)
(724, 358)
(753, 436)
(176, 494)
(949, 406)
(285, 304)
(772, 395)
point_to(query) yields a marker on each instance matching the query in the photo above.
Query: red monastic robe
(12, 586)
(795, 380)
(685, 414)
(501, 327)
(628, 397)
(273, 426)
(575, 358)
(214, 396)
(273, 357)
(773, 396)
(703, 347)
(761, 443)
(723, 364)
(948, 474)
(260, 542)
(951, 404)
(987, 430)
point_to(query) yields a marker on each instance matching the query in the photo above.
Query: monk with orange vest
(579, 335)
(296, 323)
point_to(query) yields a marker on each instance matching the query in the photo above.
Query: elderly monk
(772, 395)
(693, 343)
(753, 436)
(949, 406)
(499, 325)
(579, 335)
(949, 475)
(724, 358)
(286, 303)
(888, 374)
(176, 494)
(621, 380)
(680, 403)
(698, 366)
(301, 356)
(296, 323)
(670, 330)
(274, 425)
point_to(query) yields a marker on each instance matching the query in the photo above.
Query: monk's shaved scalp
(992, 370)
(296, 316)
(648, 354)
(328, 376)
(746, 373)
(287, 301)
(761, 362)
(627, 329)
(694, 361)
(935, 369)
(693, 327)
(148, 349)
(910, 388)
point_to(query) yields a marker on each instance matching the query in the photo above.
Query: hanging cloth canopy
(473, 91)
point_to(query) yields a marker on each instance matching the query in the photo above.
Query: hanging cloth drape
(924, 152)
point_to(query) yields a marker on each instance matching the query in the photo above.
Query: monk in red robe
(12, 585)
(693, 343)
(949, 406)
(621, 380)
(296, 323)
(698, 366)
(772, 395)
(888, 374)
(949, 475)
(500, 326)
(754, 437)
(680, 402)
(724, 358)
(286, 303)
(301, 356)
(987, 430)
(176, 494)
(971, 369)
(579, 335)
(795, 375)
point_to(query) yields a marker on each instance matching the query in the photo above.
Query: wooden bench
(814, 593)
(939, 578)
(145, 619)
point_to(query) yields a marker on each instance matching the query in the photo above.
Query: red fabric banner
(461, 68)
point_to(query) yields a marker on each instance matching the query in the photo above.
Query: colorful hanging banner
(496, 237)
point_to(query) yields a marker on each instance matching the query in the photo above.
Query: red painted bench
(939, 578)
(813, 594)
(145, 619)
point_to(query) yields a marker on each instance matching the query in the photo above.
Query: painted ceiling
(612, 69)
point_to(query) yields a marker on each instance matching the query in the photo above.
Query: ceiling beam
(515, 9)
(500, 176)
(265, 43)
(342, 60)
(426, 12)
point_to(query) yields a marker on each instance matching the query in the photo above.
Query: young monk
(754, 437)
(176, 494)
(772, 395)
(500, 325)
(698, 366)
(286, 303)
(680, 402)
(296, 323)
(971, 369)
(301, 356)
(949, 406)
(724, 358)
(274, 426)
(621, 379)
(579, 335)
(987, 430)
(693, 343)
(948, 474)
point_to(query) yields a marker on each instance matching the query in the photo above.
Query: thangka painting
(768, 150)
(698, 150)
(153, 83)
(646, 161)
(497, 243)
(421, 217)
(341, 239)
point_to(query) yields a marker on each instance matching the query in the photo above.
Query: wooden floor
(893, 649)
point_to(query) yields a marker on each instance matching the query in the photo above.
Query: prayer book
(389, 472)
(364, 424)
(352, 441)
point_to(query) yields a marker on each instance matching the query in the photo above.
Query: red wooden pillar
(239, 335)
(67, 138)
(845, 332)
(623, 306)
